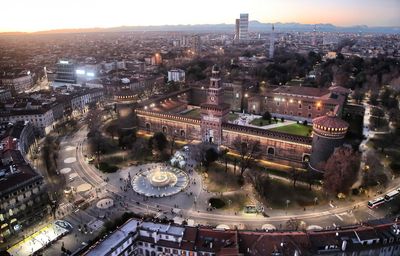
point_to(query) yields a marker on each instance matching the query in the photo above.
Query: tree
(158, 141)
(210, 156)
(374, 173)
(341, 170)
(377, 116)
(358, 96)
(249, 150)
(224, 155)
(294, 175)
(261, 183)
(112, 129)
(267, 116)
(373, 99)
(309, 177)
(384, 140)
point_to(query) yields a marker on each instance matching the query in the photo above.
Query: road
(322, 216)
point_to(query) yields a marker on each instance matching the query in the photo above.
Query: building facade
(65, 72)
(17, 83)
(176, 75)
(328, 133)
(154, 239)
(244, 27)
(212, 126)
(23, 194)
(298, 102)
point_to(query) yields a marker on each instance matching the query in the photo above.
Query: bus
(391, 195)
(377, 201)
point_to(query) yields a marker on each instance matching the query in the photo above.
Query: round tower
(328, 133)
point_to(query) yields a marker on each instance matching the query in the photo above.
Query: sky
(38, 15)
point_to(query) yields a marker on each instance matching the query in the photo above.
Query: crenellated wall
(279, 147)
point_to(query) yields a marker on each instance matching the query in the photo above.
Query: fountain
(159, 180)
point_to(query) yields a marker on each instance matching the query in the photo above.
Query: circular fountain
(159, 180)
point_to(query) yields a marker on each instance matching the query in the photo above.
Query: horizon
(43, 15)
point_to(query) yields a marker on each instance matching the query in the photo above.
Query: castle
(162, 114)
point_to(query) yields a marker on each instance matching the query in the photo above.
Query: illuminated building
(176, 75)
(17, 82)
(150, 239)
(161, 115)
(299, 102)
(65, 72)
(23, 195)
(156, 59)
(328, 133)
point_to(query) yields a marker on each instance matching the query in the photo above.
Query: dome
(330, 120)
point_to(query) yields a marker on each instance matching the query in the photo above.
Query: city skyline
(44, 15)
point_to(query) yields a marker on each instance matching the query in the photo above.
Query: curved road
(335, 216)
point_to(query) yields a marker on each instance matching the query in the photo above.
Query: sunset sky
(36, 15)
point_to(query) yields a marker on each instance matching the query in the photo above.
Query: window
(309, 107)
(299, 105)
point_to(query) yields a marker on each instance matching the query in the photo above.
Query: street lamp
(287, 205)
(315, 202)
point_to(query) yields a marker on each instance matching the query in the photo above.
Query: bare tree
(341, 170)
(249, 150)
(294, 175)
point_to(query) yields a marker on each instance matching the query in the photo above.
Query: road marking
(340, 218)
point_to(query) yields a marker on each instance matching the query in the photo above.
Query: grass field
(260, 122)
(295, 129)
(232, 116)
(194, 113)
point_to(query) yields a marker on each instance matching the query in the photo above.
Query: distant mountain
(254, 26)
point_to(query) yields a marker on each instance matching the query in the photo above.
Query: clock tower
(214, 111)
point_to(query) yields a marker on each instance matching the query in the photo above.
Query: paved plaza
(159, 180)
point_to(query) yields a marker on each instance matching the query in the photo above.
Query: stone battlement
(267, 133)
(173, 117)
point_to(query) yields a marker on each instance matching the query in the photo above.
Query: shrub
(105, 167)
(395, 166)
(216, 202)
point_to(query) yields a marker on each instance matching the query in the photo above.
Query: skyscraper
(244, 26)
(272, 43)
(237, 25)
(196, 44)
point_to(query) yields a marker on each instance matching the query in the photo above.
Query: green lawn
(295, 129)
(232, 116)
(260, 122)
(194, 113)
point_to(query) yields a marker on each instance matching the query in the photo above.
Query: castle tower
(328, 133)
(214, 111)
(272, 43)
